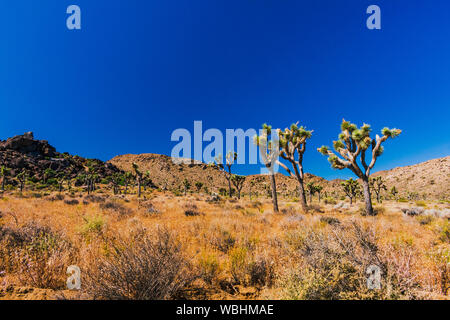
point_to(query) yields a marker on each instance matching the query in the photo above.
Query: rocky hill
(430, 178)
(168, 175)
(36, 156)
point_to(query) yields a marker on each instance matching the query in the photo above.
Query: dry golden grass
(240, 249)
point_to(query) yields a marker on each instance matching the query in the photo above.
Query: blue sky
(140, 69)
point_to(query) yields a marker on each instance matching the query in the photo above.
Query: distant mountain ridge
(430, 179)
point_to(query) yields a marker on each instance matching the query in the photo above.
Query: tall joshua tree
(139, 175)
(4, 172)
(269, 151)
(22, 178)
(377, 185)
(238, 182)
(351, 189)
(230, 158)
(292, 148)
(353, 143)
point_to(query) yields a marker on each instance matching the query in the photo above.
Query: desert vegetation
(217, 235)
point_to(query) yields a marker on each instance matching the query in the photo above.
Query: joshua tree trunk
(3, 183)
(310, 197)
(274, 193)
(351, 201)
(367, 197)
(319, 197)
(139, 187)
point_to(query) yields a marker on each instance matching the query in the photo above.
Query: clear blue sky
(140, 69)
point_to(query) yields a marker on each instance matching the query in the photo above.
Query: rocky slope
(430, 178)
(36, 156)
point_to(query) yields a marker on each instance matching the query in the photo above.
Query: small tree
(311, 187)
(394, 192)
(60, 179)
(186, 185)
(250, 186)
(115, 181)
(238, 182)
(230, 158)
(377, 185)
(4, 173)
(48, 173)
(22, 178)
(127, 178)
(138, 174)
(293, 146)
(351, 188)
(318, 190)
(353, 143)
(269, 151)
(199, 186)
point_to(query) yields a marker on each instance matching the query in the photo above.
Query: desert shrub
(315, 208)
(424, 220)
(329, 200)
(332, 264)
(72, 202)
(222, 240)
(402, 200)
(142, 268)
(261, 271)
(443, 230)
(93, 225)
(115, 207)
(421, 203)
(330, 220)
(239, 265)
(191, 210)
(94, 198)
(56, 197)
(36, 254)
(209, 267)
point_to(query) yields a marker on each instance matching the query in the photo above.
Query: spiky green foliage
(230, 158)
(353, 143)
(377, 185)
(292, 148)
(350, 152)
(238, 182)
(351, 188)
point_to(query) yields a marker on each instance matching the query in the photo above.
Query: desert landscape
(142, 227)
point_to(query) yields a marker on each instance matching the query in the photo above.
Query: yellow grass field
(225, 249)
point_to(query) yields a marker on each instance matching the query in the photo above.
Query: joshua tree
(127, 178)
(60, 179)
(292, 141)
(311, 187)
(238, 182)
(230, 158)
(22, 178)
(377, 185)
(115, 180)
(250, 186)
(199, 185)
(354, 142)
(47, 174)
(186, 185)
(394, 192)
(146, 180)
(351, 188)
(138, 175)
(4, 172)
(318, 190)
(269, 151)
